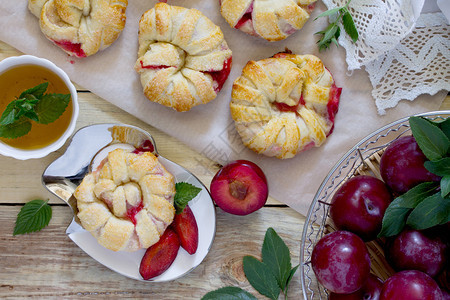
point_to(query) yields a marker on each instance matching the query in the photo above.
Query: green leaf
(9, 115)
(185, 192)
(51, 107)
(276, 255)
(349, 26)
(33, 216)
(439, 167)
(260, 277)
(229, 293)
(432, 211)
(32, 115)
(334, 40)
(17, 129)
(37, 91)
(328, 12)
(445, 186)
(431, 140)
(445, 127)
(329, 34)
(397, 212)
(291, 275)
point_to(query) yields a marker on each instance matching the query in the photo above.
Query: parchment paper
(209, 128)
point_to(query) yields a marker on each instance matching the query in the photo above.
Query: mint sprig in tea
(34, 106)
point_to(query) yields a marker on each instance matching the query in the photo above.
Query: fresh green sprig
(33, 216)
(269, 276)
(427, 204)
(333, 31)
(185, 192)
(32, 105)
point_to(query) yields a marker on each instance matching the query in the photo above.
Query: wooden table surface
(48, 264)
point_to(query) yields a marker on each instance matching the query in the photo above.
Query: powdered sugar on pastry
(183, 58)
(127, 203)
(80, 27)
(273, 20)
(284, 104)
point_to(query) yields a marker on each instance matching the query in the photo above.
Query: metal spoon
(88, 146)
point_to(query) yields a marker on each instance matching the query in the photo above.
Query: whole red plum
(359, 205)
(401, 165)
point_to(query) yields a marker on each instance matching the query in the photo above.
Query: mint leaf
(445, 127)
(229, 293)
(51, 107)
(397, 212)
(445, 186)
(291, 275)
(16, 129)
(260, 277)
(439, 167)
(432, 211)
(32, 115)
(276, 255)
(432, 141)
(9, 115)
(33, 216)
(349, 26)
(37, 91)
(185, 192)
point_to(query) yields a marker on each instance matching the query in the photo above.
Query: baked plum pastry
(273, 20)
(127, 202)
(183, 58)
(284, 104)
(80, 27)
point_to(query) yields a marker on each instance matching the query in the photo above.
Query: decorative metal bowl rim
(325, 184)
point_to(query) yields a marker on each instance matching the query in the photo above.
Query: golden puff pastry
(127, 203)
(80, 27)
(273, 20)
(183, 58)
(284, 104)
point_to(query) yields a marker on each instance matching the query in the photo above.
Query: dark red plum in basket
(371, 290)
(410, 285)
(359, 205)
(417, 250)
(341, 262)
(401, 165)
(239, 188)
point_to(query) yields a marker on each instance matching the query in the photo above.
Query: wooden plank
(47, 263)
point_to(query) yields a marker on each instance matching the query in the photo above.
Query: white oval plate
(63, 175)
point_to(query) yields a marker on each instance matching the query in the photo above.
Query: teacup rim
(24, 154)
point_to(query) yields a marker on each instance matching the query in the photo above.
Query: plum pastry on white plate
(183, 58)
(127, 202)
(273, 20)
(80, 27)
(284, 104)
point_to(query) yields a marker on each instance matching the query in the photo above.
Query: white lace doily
(381, 26)
(420, 64)
(405, 54)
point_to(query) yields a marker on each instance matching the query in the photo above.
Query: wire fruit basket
(362, 159)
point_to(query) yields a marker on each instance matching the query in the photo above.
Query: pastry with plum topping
(284, 104)
(272, 20)
(127, 202)
(80, 27)
(183, 58)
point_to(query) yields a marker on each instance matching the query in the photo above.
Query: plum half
(240, 188)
